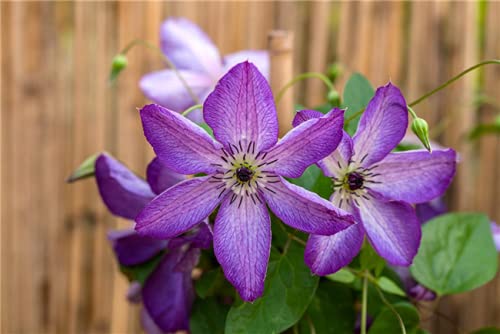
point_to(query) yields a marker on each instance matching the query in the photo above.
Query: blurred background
(58, 274)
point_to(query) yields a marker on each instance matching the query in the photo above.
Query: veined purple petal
(414, 176)
(124, 193)
(428, 210)
(327, 254)
(242, 244)
(198, 237)
(259, 57)
(179, 143)
(132, 249)
(306, 144)
(241, 108)
(178, 209)
(305, 210)
(305, 115)
(382, 126)
(160, 177)
(167, 89)
(168, 294)
(188, 47)
(339, 159)
(392, 228)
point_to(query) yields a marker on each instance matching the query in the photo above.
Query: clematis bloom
(245, 167)
(377, 186)
(199, 62)
(168, 293)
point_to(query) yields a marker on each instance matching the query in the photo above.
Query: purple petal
(305, 210)
(165, 88)
(339, 159)
(382, 125)
(124, 193)
(327, 254)
(189, 260)
(148, 324)
(392, 228)
(414, 176)
(179, 143)
(306, 144)
(259, 57)
(305, 115)
(189, 48)
(132, 249)
(168, 294)
(420, 292)
(495, 230)
(134, 292)
(241, 108)
(427, 211)
(160, 177)
(242, 244)
(178, 209)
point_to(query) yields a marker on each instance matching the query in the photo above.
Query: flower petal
(160, 177)
(178, 209)
(132, 249)
(339, 159)
(179, 143)
(123, 192)
(168, 294)
(148, 324)
(495, 231)
(241, 108)
(382, 125)
(428, 210)
(305, 210)
(259, 57)
(165, 88)
(306, 144)
(414, 176)
(242, 244)
(392, 228)
(188, 47)
(327, 254)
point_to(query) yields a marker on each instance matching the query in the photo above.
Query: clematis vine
(377, 186)
(244, 170)
(167, 294)
(199, 63)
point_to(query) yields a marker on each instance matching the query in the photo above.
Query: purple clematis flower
(167, 294)
(198, 61)
(245, 169)
(376, 186)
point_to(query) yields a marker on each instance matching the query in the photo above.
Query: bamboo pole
(280, 46)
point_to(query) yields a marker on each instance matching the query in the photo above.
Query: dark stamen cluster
(354, 181)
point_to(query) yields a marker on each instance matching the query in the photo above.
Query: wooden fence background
(57, 271)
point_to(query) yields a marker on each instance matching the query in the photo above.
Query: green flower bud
(119, 63)
(421, 129)
(334, 71)
(333, 98)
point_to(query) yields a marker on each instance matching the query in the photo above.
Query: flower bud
(334, 71)
(333, 98)
(119, 63)
(421, 130)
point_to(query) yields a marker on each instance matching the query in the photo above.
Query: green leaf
(457, 253)
(289, 289)
(331, 311)
(484, 129)
(487, 330)
(86, 169)
(389, 286)
(387, 321)
(357, 93)
(141, 271)
(208, 282)
(314, 180)
(208, 316)
(370, 260)
(342, 276)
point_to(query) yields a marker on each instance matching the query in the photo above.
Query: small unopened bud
(333, 98)
(334, 71)
(120, 62)
(421, 129)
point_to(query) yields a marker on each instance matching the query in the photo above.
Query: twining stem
(432, 92)
(389, 305)
(192, 108)
(364, 304)
(300, 77)
(167, 60)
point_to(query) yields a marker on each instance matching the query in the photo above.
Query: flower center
(354, 181)
(244, 174)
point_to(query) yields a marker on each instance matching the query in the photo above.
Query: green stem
(389, 305)
(364, 305)
(412, 113)
(192, 108)
(167, 61)
(300, 77)
(432, 92)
